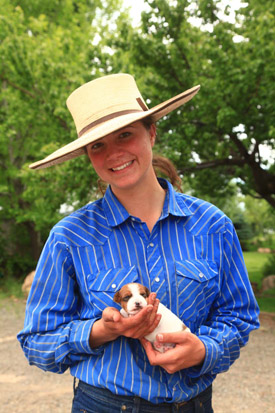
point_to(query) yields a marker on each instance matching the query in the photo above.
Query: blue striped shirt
(192, 259)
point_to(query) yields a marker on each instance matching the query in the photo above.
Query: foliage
(261, 217)
(11, 287)
(47, 49)
(254, 262)
(269, 266)
(219, 134)
(254, 219)
(266, 304)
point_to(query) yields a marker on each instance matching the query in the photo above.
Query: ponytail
(164, 166)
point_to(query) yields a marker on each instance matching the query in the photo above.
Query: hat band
(105, 118)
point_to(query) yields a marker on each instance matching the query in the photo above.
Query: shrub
(269, 266)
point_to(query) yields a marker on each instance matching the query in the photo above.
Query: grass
(254, 262)
(266, 304)
(11, 287)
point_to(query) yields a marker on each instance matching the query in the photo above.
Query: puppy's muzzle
(138, 305)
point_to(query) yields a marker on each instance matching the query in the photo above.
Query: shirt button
(123, 407)
(157, 279)
(201, 275)
(151, 244)
(113, 285)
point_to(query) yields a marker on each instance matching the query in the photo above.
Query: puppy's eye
(126, 298)
(144, 295)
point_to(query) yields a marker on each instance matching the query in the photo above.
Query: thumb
(177, 337)
(111, 314)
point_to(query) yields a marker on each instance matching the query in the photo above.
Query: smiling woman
(124, 159)
(182, 250)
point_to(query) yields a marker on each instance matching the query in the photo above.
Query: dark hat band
(105, 118)
(113, 115)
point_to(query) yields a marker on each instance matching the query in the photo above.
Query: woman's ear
(153, 134)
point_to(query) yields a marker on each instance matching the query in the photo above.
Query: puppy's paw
(162, 348)
(124, 313)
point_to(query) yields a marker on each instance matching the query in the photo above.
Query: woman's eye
(96, 146)
(124, 135)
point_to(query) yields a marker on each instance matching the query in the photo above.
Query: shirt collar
(174, 204)
(174, 201)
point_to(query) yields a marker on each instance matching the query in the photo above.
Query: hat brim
(77, 147)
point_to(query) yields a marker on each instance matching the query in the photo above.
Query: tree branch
(242, 149)
(25, 91)
(215, 163)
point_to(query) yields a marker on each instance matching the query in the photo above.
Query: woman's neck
(145, 203)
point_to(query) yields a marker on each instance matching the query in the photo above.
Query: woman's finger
(152, 316)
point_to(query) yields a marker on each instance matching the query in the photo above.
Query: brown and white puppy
(133, 297)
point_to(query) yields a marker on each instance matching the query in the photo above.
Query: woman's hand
(188, 352)
(113, 324)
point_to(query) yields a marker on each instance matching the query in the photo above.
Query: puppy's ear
(117, 297)
(147, 291)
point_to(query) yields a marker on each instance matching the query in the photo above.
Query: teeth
(119, 168)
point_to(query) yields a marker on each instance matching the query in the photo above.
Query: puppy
(133, 297)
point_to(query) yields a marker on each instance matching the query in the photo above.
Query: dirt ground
(247, 388)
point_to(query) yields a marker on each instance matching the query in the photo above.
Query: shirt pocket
(197, 285)
(103, 285)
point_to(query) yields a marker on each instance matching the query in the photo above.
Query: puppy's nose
(137, 303)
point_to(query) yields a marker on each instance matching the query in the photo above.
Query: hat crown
(102, 98)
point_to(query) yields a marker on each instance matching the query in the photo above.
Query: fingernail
(160, 337)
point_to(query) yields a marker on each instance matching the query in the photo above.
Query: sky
(137, 6)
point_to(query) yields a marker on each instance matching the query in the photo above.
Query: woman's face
(124, 158)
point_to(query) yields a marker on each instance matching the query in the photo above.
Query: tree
(261, 217)
(219, 134)
(47, 49)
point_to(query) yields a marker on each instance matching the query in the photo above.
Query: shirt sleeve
(54, 337)
(234, 313)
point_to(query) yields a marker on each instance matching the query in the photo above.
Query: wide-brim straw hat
(103, 106)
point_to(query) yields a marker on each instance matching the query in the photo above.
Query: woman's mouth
(121, 167)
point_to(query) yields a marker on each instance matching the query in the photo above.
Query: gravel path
(247, 388)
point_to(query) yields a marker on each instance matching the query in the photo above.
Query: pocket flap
(112, 279)
(199, 270)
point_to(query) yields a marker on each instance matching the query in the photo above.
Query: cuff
(74, 343)
(211, 358)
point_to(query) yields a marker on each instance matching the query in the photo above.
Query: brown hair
(164, 166)
(161, 164)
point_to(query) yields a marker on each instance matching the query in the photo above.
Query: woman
(183, 249)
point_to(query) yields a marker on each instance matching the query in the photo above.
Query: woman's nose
(113, 150)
